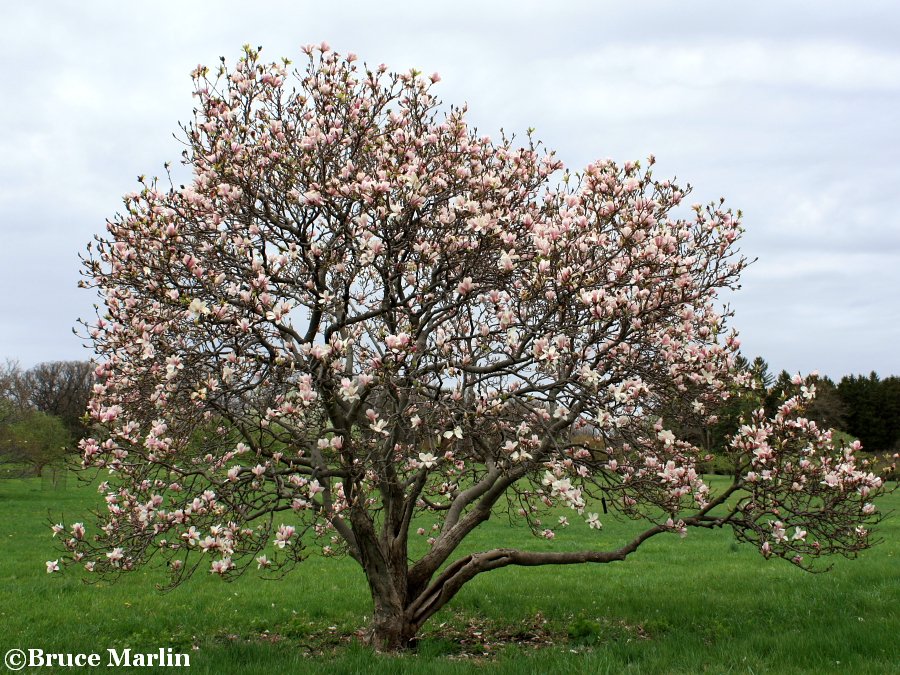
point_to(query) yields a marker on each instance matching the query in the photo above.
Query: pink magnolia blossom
(283, 536)
(397, 342)
(221, 566)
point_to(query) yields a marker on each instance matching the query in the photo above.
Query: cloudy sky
(788, 110)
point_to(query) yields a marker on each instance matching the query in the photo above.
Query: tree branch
(452, 579)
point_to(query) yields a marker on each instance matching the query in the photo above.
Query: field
(694, 605)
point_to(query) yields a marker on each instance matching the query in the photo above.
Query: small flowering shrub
(361, 313)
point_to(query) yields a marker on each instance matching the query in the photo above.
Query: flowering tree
(361, 317)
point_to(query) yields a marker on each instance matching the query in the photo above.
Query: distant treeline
(42, 410)
(42, 414)
(869, 408)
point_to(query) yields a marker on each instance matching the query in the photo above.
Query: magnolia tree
(363, 323)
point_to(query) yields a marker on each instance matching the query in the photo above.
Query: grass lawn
(694, 605)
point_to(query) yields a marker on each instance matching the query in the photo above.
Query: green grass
(695, 605)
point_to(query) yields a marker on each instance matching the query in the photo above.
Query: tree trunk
(391, 629)
(384, 562)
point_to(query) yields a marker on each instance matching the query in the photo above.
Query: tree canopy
(362, 314)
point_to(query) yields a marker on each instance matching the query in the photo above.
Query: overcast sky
(789, 110)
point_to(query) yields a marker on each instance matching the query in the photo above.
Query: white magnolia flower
(198, 308)
(456, 431)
